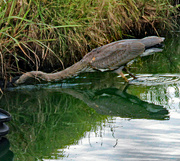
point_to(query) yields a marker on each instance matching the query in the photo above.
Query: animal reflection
(116, 102)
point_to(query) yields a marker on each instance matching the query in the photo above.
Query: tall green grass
(51, 35)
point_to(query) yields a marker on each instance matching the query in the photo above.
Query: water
(95, 116)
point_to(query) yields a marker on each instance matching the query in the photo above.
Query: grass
(51, 35)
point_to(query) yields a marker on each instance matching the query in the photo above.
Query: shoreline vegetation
(52, 35)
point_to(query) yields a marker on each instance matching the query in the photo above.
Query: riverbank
(52, 35)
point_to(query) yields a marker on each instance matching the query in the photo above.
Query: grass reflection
(49, 119)
(46, 121)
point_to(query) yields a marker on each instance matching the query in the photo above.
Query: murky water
(95, 116)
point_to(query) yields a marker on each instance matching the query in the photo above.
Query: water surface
(96, 116)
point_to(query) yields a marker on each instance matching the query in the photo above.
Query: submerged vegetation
(51, 35)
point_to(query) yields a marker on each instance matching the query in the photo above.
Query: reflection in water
(95, 117)
(129, 140)
(46, 121)
(59, 117)
(156, 79)
(115, 102)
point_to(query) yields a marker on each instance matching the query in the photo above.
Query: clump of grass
(48, 35)
(20, 38)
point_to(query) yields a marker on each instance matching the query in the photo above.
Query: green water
(95, 116)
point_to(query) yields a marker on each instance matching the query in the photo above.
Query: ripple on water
(142, 79)
(155, 79)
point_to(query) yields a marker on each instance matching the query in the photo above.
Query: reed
(51, 35)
